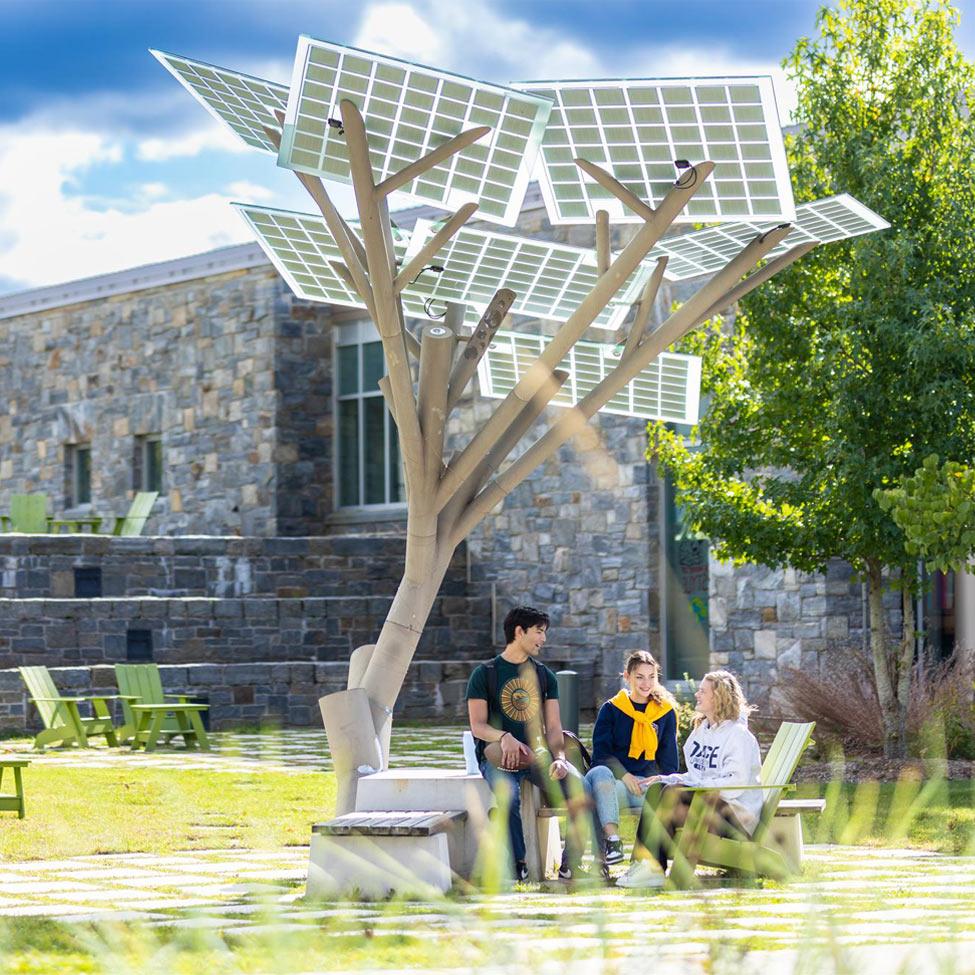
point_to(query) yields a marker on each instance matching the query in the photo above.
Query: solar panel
(668, 389)
(638, 130)
(550, 280)
(300, 246)
(704, 251)
(408, 111)
(241, 102)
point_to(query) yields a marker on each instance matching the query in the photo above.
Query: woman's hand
(632, 784)
(650, 780)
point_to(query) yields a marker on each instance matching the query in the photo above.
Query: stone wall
(44, 566)
(767, 621)
(282, 693)
(213, 366)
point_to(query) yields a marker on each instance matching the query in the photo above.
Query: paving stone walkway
(873, 900)
(849, 895)
(292, 750)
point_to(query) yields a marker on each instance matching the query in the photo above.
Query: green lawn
(80, 811)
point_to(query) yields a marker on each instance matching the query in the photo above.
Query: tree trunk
(905, 667)
(397, 641)
(886, 691)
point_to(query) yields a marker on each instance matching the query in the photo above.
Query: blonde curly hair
(729, 698)
(660, 694)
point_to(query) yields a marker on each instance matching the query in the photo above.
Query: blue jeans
(507, 787)
(609, 794)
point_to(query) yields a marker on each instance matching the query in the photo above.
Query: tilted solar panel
(243, 103)
(668, 389)
(301, 247)
(549, 279)
(823, 221)
(409, 110)
(639, 131)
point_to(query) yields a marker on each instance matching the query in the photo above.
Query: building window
(77, 474)
(147, 463)
(368, 467)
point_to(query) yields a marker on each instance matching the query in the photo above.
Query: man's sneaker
(642, 873)
(614, 852)
(521, 871)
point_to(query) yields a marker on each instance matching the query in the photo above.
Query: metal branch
(460, 141)
(436, 353)
(758, 277)
(573, 420)
(645, 308)
(478, 344)
(346, 275)
(628, 199)
(316, 190)
(626, 262)
(496, 456)
(602, 241)
(381, 264)
(433, 245)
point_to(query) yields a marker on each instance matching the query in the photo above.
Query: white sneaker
(642, 873)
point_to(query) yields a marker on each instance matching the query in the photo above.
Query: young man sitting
(513, 705)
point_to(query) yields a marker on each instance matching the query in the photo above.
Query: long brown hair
(639, 657)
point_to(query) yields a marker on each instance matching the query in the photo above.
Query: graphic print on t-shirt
(520, 698)
(703, 757)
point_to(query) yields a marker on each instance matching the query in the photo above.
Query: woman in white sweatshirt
(720, 751)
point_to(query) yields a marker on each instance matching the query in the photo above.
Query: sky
(107, 163)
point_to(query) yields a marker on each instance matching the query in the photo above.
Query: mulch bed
(876, 768)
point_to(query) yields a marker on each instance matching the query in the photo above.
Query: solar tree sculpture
(652, 152)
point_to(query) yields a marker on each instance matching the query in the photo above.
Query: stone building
(277, 539)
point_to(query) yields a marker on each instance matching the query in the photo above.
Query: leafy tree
(935, 508)
(841, 374)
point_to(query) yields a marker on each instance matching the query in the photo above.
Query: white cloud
(52, 235)
(153, 190)
(475, 40)
(472, 39)
(213, 137)
(244, 191)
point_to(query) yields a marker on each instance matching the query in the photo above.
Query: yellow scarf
(643, 741)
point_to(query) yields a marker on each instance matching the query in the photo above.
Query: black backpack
(575, 751)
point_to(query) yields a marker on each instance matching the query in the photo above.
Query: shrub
(842, 700)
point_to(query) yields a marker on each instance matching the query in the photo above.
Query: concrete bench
(378, 852)
(14, 801)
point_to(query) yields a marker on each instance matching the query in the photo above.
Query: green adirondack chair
(14, 801)
(135, 518)
(63, 721)
(693, 844)
(150, 713)
(28, 514)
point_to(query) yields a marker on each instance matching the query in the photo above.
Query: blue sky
(106, 163)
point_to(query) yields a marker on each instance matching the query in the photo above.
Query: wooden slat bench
(14, 800)
(379, 852)
(406, 823)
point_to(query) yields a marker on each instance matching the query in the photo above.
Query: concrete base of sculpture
(374, 866)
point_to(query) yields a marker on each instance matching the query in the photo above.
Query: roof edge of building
(237, 257)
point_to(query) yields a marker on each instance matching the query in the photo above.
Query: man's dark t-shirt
(517, 706)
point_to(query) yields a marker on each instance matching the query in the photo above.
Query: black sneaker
(521, 871)
(567, 869)
(614, 852)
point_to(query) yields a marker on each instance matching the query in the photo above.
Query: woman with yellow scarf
(635, 737)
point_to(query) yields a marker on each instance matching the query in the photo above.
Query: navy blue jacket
(611, 743)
